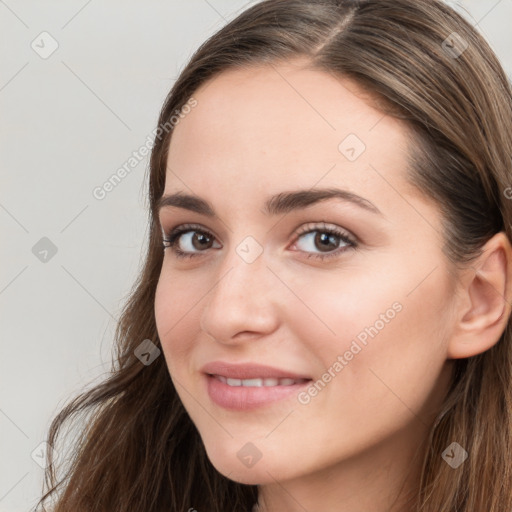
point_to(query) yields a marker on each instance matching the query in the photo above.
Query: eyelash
(170, 240)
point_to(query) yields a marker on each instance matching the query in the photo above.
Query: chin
(262, 472)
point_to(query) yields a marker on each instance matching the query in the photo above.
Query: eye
(331, 240)
(189, 240)
(184, 239)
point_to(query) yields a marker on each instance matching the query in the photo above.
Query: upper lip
(248, 371)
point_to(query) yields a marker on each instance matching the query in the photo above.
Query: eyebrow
(281, 203)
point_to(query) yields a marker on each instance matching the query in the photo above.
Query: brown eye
(199, 240)
(324, 242)
(189, 241)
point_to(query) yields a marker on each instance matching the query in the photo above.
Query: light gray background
(68, 122)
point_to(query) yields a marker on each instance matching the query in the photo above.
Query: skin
(269, 129)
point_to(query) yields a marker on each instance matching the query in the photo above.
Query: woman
(322, 321)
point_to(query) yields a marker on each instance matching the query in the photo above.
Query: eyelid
(305, 228)
(350, 240)
(322, 225)
(180, 229)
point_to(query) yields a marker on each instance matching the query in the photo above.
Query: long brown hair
(139, 450)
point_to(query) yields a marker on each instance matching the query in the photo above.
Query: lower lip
(244, 398)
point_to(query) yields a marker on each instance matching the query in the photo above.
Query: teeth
(268, 382)
(254, 383)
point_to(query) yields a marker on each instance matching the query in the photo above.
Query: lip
(249, 371)
(243, 398)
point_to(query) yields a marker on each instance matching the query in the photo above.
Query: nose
(243, 302)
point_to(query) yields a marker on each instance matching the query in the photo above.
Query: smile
(257, 382)
(246, 394)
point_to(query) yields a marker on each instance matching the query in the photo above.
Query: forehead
(264, 127)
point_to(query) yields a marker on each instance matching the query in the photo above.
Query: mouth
(250, 371)
(268, 382)
(246, 386)
(249, 394)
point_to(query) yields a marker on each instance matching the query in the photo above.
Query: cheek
(175, 304)
(383, 313)
(382, 335)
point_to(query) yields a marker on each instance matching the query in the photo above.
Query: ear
(485, 300)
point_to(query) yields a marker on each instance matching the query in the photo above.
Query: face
(350, 292)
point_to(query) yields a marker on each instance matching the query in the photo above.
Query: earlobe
(486, 306)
